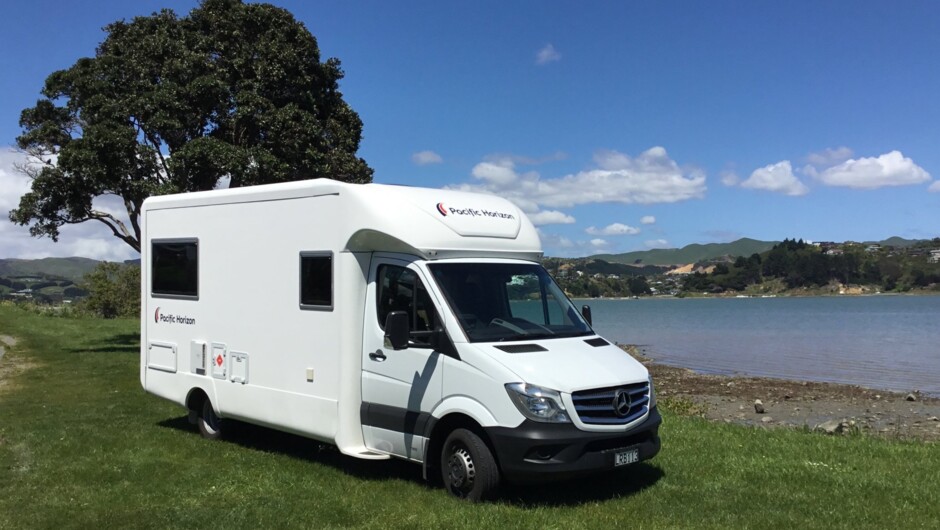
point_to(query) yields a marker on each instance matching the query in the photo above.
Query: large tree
(175, 104)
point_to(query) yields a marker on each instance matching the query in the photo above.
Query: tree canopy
(176, 104)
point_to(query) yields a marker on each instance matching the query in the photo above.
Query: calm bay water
(884, 342)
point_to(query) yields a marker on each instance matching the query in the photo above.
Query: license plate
(623, 458)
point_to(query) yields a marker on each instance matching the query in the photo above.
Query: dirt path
(827, 407)
(7, 341)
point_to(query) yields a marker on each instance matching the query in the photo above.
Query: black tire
(210, 424)
(468, 467)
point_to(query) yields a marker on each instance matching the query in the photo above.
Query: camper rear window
(316, 280)
(175, 268)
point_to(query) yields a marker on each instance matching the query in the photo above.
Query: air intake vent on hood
(597, 342)
(521, 348)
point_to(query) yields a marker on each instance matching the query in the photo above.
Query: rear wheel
(210, 424)
(468, 467)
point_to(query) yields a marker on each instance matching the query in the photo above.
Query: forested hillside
(796, 264)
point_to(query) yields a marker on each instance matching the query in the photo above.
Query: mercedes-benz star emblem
(622, 403)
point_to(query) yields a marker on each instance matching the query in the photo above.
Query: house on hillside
(934, 256)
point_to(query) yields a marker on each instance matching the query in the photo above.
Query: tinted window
(400, 289)
(175, 268)
(507, 301)
(316, 280)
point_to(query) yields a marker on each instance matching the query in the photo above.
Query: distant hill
(66, 268)
(896, 242)
(592, 266)
(691, 253)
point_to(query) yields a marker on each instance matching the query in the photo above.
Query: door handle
(377, 356)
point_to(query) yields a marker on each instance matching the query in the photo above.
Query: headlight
(539, 404)
(652, 394)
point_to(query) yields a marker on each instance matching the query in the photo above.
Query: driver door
(400, 388)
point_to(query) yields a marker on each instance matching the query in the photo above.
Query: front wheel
(468, 467)
(210, 424)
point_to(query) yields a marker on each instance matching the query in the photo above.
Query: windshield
(507, 301)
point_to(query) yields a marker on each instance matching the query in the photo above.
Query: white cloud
(889, 169)
(729, 178)
(648, 220)
(497, 173)
(652, 177)
(424, 158)
(548, 54)
(615, 229)
(13, 183)
(614, 160)
(829, 157)
(778, 178)
(89, 239)
(657, 243)
(550, 217)
(935, 187)
(598, 242)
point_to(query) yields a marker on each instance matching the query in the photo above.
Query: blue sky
(617, 126)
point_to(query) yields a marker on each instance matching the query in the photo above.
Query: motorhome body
(390, 321)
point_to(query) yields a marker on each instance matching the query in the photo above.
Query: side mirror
(396, 330)
(440, 342)
(586, 313)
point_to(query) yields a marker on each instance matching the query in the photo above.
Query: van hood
(567, 365)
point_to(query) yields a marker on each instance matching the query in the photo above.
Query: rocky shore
(777, 403)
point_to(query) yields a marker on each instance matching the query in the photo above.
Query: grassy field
(82, 446)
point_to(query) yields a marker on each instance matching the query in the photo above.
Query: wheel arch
(438, 433)
(194, 400)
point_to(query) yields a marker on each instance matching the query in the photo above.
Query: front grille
(596, 406)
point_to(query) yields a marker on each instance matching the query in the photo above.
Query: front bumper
(536, 452)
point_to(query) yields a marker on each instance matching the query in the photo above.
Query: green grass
(81, 445)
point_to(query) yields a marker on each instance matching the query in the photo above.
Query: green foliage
(114, 290)
(800, 265)
(175, 104)
(74, 292)
(599, 278)
(590, 287)
(638, 285)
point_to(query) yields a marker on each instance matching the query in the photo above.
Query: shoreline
(833, 408)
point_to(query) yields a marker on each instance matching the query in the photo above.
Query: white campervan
(390, 321)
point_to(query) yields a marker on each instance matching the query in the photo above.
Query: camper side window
(316, 280)
(174, 268)
(400, 289)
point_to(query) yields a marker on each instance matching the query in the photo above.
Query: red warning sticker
(218, 360)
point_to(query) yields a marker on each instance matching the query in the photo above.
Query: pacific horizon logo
(172, 319)
(471, 212)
